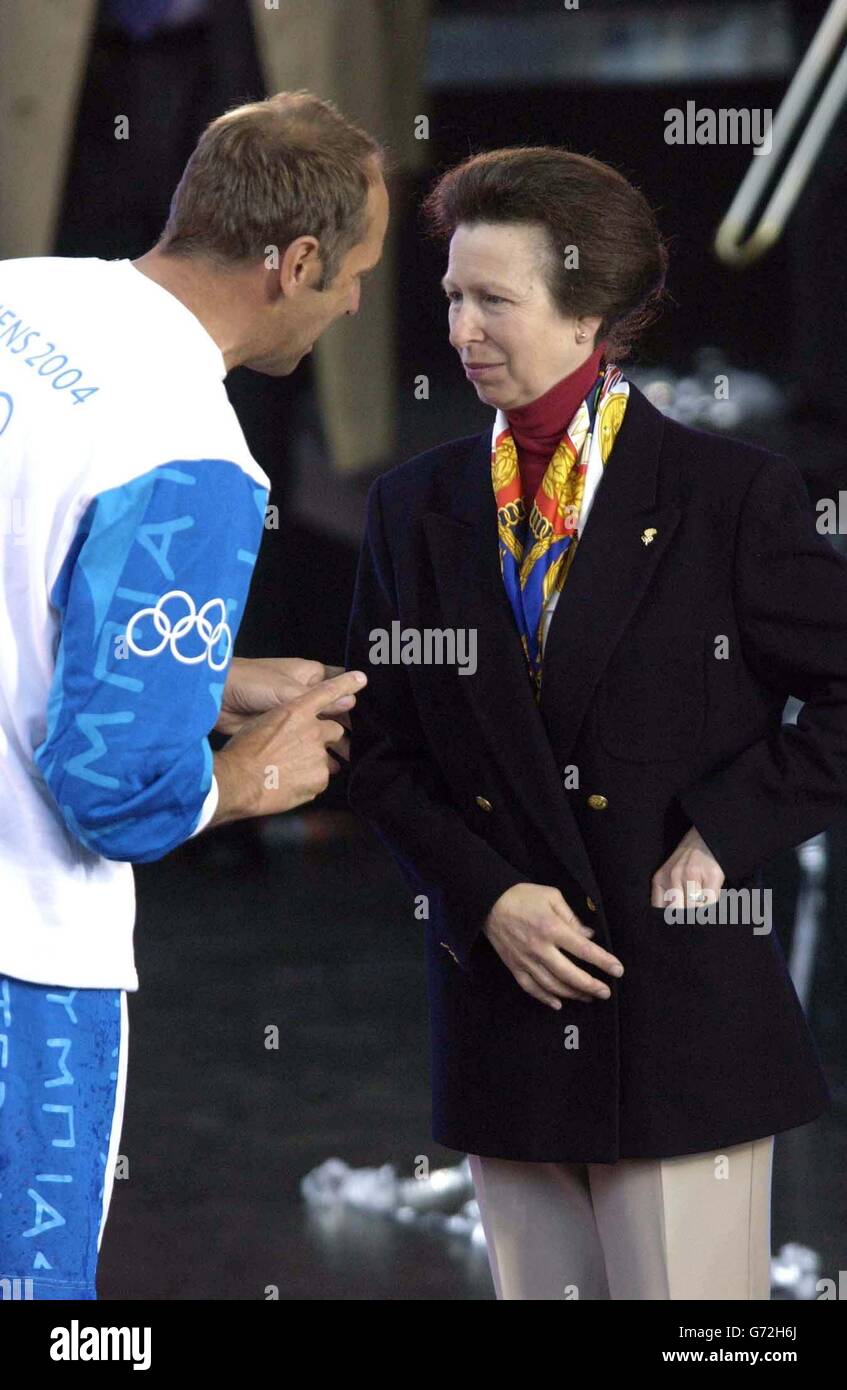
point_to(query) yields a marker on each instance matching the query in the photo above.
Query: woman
(644, 598)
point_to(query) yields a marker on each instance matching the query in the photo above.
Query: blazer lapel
(625, 536)
(464, 551)
(607, 578)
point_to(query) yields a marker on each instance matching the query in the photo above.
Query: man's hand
(692, 869)
(532, 928)
(284, 757)
(254, 686)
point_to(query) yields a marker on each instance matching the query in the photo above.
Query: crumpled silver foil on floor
(442, 1202)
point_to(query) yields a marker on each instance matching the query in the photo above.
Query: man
(133, 511)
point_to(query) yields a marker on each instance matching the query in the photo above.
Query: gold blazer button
(597, 802)
(591, 904)
(483, 803)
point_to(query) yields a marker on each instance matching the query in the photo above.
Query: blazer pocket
(651, 704)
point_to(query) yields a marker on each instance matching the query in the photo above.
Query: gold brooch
(648, 535)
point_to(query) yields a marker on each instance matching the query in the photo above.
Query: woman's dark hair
(584, 206)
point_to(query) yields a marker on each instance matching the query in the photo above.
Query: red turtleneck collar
(538, 427)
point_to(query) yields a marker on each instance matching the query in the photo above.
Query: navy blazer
(667, 668)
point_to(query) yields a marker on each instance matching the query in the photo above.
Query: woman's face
(502, 317)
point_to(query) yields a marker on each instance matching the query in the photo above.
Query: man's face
(298, 320)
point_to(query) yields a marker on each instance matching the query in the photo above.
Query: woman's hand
(691, 870)
(531, 928)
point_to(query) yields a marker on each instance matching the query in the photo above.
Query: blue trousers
(62, 1086)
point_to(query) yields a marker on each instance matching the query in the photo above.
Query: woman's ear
(587, 328)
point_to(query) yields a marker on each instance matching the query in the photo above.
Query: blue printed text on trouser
(59, 1051)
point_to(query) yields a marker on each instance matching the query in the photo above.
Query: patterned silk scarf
(536, 553)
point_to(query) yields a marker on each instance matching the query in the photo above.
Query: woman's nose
(463, 328)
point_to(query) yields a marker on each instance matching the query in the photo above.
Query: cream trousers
(695, 1226)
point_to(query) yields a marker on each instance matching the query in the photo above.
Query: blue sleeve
(150, 597)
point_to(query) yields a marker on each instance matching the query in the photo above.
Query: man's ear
(301, 266)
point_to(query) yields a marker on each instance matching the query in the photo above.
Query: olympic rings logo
(171, 632)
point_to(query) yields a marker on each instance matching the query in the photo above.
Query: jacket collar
(606, 581)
